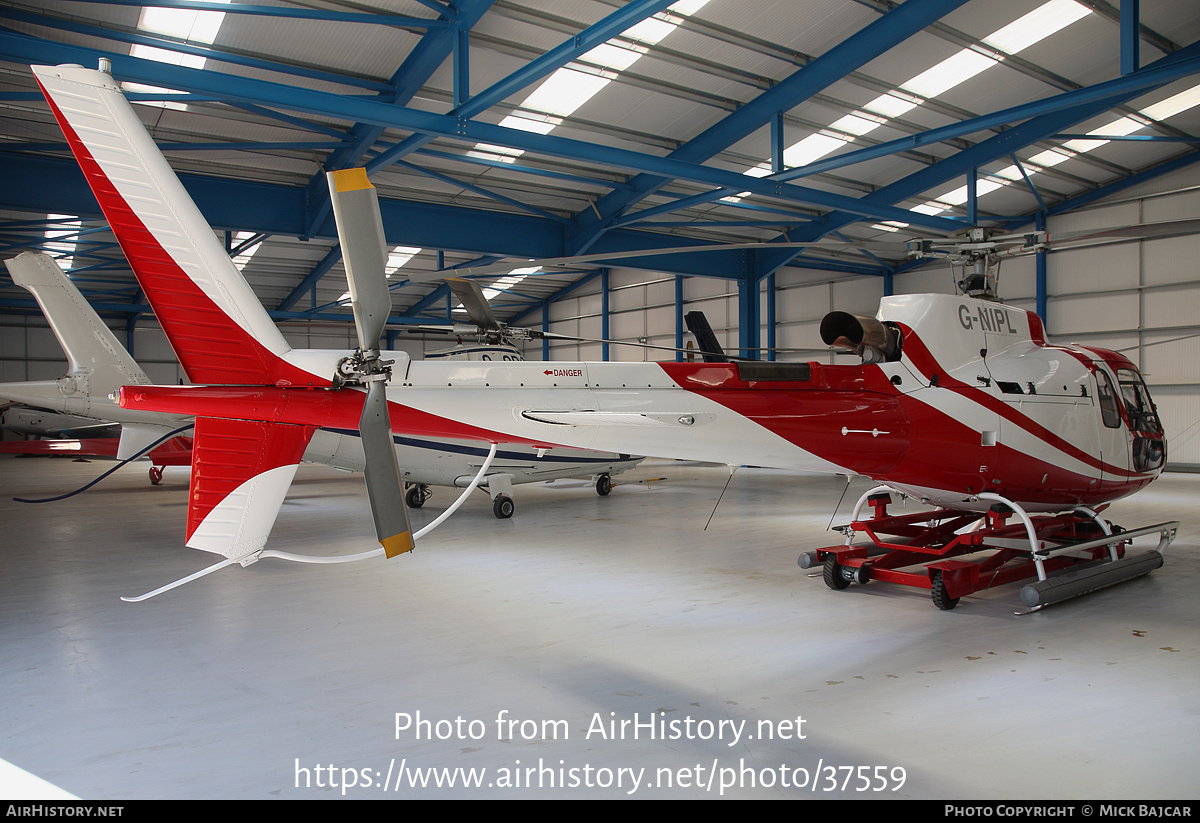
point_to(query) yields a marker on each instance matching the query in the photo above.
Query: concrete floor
(583, 610)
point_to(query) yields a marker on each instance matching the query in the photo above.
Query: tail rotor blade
(384, 486)
(364, 251)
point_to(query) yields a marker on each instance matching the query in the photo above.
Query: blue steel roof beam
(287, 118)
(445, 178)
(558, 295)
(522, 168)
(1145, 80)
(311, 279)
(1001, 145)
(208, 52)
(44, 185)
(873, 40)
(1132, 138)
(413, 73)
(438, 295)
(322, 15)
(1166, 167)
(20, 48)
(628, 15)
(416, 69)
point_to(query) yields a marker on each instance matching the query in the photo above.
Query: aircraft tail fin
(98, 363)
(217, 326)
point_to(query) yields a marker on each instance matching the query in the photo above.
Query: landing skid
(1062, 555)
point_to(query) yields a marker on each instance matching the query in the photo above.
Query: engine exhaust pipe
(874, 341)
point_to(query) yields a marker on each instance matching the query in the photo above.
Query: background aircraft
(99, 365)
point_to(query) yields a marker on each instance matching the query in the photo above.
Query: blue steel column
(545, 328)
(771, 316)
(679, 318)
(1040, 269)
(1130, 39)
(604, 314)
(130, 324)
(749, 337)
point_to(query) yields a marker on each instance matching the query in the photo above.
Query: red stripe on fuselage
(927, 365)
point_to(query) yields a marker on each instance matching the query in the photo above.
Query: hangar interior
(503, 132)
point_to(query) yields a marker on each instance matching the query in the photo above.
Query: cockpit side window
(1143, 417)
(1110, 412)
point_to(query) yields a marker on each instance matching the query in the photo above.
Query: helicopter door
(1115, 441)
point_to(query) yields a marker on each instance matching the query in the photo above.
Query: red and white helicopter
(959, 402)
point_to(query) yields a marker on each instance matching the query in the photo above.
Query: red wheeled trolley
(953, 553)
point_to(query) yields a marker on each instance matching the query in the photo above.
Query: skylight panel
(503, 284)
(63, 238)
(1176, 104)
(1037, 25)
(398, 257)
(949, 73)
(242, 258)
(564, 91)
(1040, 23)
(190, 26)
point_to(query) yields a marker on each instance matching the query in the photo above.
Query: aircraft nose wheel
(155, 475)
(603, 485)
(416, 495)
(503, 507)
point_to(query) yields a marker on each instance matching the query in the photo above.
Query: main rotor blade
(471, 296)
(568, 338)
(384, 486)
(1139, 231)
(364, 251)
(568, 262)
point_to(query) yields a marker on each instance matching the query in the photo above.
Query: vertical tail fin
(98, 363)
(215, 323)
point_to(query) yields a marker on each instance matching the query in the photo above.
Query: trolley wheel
(836, 575)
(415, 496)
(155, 475)
(503, 507)
(603, 485)
(938, 592)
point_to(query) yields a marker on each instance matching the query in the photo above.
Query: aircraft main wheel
(155, 475)
(836, 575)
(938, 592)
(503, 507)
(603, 485)
(415, 496)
